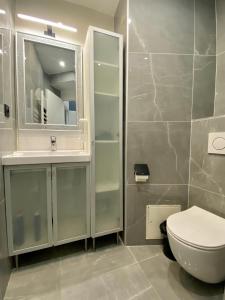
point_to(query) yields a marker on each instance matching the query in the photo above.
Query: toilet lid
(198, 227)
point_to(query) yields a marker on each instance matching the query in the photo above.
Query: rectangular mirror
(49, 82)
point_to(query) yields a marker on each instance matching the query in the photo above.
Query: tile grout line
(203, 189)
(214, 106)
(132, 254)
(192, 104)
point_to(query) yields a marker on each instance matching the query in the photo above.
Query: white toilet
(197, 240)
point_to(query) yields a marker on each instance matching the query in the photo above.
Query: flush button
(219, 143)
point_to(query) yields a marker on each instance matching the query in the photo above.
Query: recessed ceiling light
(99, 65)
(129, 21)
(146, 58)
(62, 64)
(1, 52)
(2, 12)
(47, 22)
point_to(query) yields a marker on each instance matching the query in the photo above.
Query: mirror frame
(20, 80)
(7, 75)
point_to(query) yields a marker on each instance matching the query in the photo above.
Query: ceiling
(107, 7)
(50, 56)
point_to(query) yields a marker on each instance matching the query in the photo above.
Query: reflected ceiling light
(62, 64)
(2, 12)
(146, 58)
(47, 22)
(129, 21)
(1, 52)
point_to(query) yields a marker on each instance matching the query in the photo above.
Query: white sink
(43, 157)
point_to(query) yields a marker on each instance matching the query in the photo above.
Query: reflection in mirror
(50, 83)
(1, 78)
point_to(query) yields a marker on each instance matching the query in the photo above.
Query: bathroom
(112, 120)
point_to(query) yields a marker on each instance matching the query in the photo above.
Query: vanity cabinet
(46, 205)
(103, 61)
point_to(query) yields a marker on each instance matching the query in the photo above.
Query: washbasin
(38, 157)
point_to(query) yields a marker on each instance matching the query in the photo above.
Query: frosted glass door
(107, 123)
(70, 203)
(28, 202)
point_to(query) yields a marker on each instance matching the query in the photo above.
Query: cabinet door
(28, 207)
(71, 208)
(107, 133)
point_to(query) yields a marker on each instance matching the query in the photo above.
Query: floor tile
(147, 294)
(144, 252)
(126, 282)
(91, 289)
(77, 268)
(34, 281)
(172, 283)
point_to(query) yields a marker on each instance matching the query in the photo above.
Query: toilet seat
(198, 228)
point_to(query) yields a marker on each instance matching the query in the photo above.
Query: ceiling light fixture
(47, 22)
(2, 12)
(1, 52)
(62, 64)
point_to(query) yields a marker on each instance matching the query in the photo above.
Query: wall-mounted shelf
(101, 63)
(106, 141)
(106, 95)
(107, 187)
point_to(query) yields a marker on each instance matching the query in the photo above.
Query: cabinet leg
(17, 262)
(93, 243)
(117, 238)
(86, 245)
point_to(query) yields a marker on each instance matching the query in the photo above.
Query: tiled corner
(138, 196)
(205, 27)
(204, 86)
(207, 170)
(220, 86)
(220, 11)
(207, 200)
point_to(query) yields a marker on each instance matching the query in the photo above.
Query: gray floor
(112, 272)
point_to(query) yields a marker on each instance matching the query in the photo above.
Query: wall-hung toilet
(197, 240)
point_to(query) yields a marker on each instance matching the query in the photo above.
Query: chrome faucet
(53, 143)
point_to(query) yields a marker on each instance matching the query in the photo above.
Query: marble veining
(141, 276)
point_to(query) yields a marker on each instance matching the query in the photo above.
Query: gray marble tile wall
(204, 59)
(207, 187)
(159, 102)
(7, 144)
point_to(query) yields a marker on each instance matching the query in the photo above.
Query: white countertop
(45, 157)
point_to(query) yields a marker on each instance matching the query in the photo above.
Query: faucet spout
(53, 143)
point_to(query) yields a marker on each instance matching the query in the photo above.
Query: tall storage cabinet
(103, 55)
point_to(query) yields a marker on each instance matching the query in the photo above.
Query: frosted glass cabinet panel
(103, 53)
(71, 209)
(28, 206)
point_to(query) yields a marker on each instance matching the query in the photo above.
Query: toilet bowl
(197, 240)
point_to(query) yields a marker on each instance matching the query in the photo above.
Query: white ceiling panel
(107, 7)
